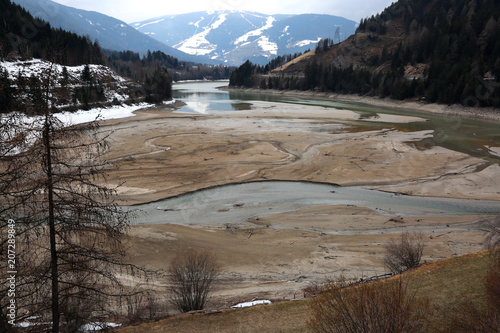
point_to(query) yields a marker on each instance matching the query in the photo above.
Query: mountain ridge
(111, 33)
(233, 36)
(444, 52)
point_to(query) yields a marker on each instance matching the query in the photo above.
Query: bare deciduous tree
(68, 226)
(192, 275)
(404, 253)
(384, 306)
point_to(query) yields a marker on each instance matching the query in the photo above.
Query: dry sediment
(159, 154)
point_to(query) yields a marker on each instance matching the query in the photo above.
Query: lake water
(473, 137)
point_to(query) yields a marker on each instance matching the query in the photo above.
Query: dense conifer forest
(132, 65)
(25, 37)
(445, 51)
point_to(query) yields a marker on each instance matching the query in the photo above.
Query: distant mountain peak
(233, 36)
(111, 33)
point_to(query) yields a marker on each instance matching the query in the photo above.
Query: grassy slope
(446, 283)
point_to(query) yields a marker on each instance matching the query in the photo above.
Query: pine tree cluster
(456, 41)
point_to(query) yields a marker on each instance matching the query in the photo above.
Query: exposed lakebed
(240, 203)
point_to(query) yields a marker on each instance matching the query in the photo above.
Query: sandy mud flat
(159, 154)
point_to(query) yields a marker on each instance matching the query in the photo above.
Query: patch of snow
(123, 25)
(114, 112)
(286, 29)
(305, 42)
(169, 102)
(256, 32)
(26, 324)
(198, 44)
(91, 23)
(243, 17)
(37, 67)
(221, 19)
(138, 25)
(115, 92)
(150, 33)
(197, 24)
(248, 304)
(268, 46)
(93, 327)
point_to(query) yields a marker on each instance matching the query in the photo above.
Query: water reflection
(473, 137)
(206, 98)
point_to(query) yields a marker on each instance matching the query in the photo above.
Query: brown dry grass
(279, 317)
(446, 283)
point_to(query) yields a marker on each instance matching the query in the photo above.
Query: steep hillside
(23, 36)
(111, 33)
(235, 36)
(444, 51)
(35, 58)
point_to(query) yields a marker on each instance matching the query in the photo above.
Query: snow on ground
(117, 111)
(198, 44)
(39, 67)
(256, 32)
(305, 42)
(248, 304)
(138, 25)
(93, 327)
(267, 46)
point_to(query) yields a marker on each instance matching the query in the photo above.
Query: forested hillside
(132, 65)
(28, 47)
(445, 51)
(25, 37)
(35, 58)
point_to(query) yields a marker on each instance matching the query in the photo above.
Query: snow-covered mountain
(235, 36)
(111, 33)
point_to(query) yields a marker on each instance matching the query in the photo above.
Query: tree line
(132, 65)
(457, 41)
(23, 36)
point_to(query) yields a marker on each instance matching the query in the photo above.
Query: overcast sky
(138, 10)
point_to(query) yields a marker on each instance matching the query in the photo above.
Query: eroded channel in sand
(240, 203)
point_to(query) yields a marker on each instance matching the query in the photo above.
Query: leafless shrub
(384, 306)
(192, 275)
(142, 307)
(492, 240)
(405, 253)
(314, 289)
